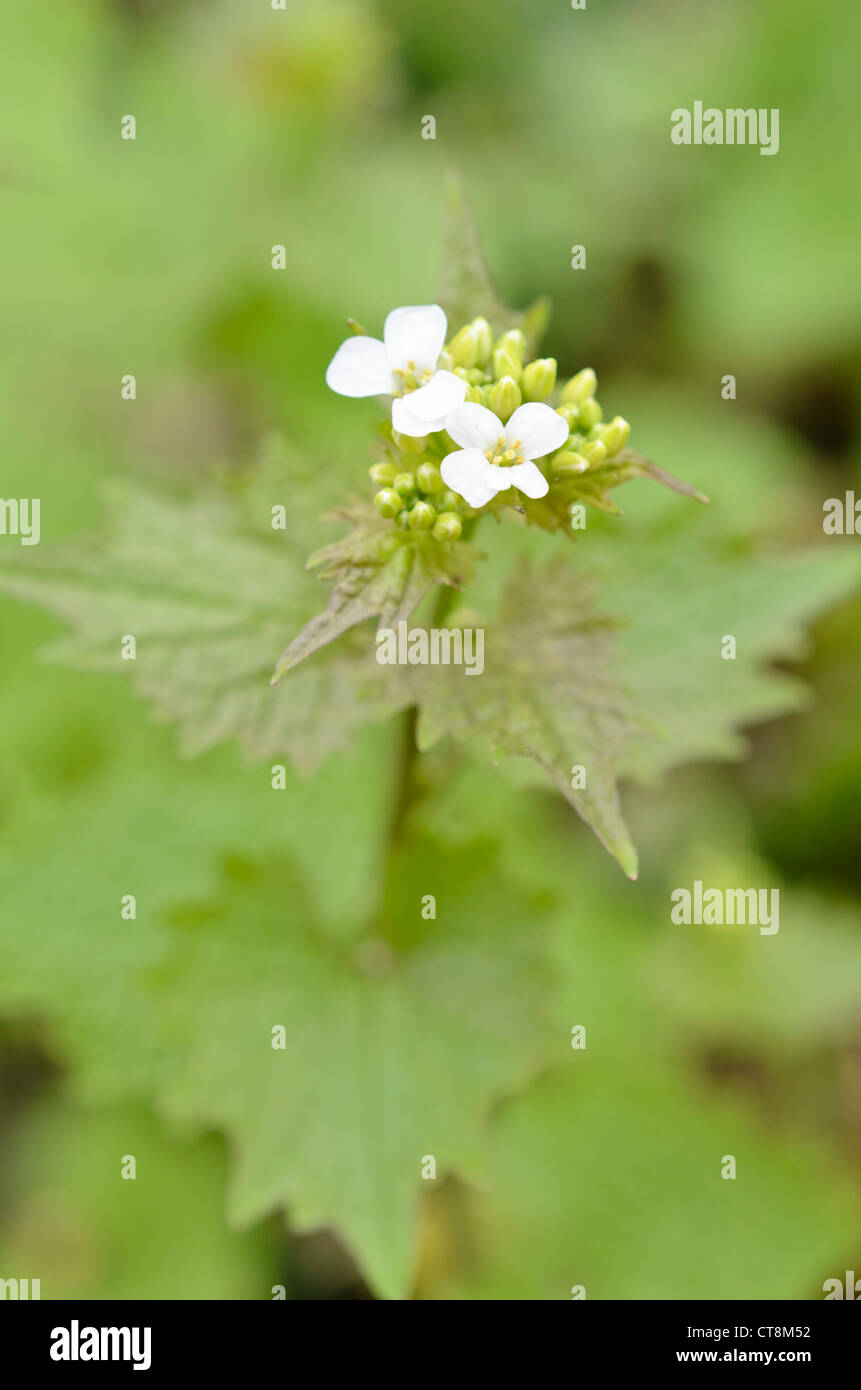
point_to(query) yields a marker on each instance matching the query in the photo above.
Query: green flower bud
(539, 378)
(615, 435)
(590, 414)
(405, 484)
(477, 395)
(448, 527)
(387, 502)
(407, 444)
(448, 501)
(481, 328)
(384, 474)
(506, 364)
(514, 342)
(422, 517)
(473, 376)
(570, 414)
(403, 519)
(428, 477)
(594, 451)
(504, 397)
(580, 387)
(465, 347)
(567, 463)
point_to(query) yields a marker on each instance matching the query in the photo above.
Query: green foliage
(553, 512)
(546, 693)
(608, 1171)
(376, 571)
(93, 1235)
(465, 289)
(688, 599)
(652, 1218)
(207, 599)
(392, 1053)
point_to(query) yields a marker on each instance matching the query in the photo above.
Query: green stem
(406, 786)
(407, 790)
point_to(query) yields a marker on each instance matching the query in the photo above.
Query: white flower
(496, 456)
(403, 365)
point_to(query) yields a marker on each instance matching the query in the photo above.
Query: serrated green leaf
(553, 511)
(377, 571)
(208, 600)
(688, 598)
(546, 693)
(466, 290)
(391, 1054)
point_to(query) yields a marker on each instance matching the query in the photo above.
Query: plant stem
(406, 787)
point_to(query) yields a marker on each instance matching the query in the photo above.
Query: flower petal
(474, 426)
(415, 334)
(361, 367)
(443, 393)
(406, 423)
(466, 473)
(539, 429)
(528, 478)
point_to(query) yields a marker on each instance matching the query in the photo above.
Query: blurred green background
(258, 127)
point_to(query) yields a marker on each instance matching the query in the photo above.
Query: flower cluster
(469, 418)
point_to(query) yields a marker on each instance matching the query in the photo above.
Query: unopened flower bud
(594, 451)
(448, 501)
(591, 414)
(481, 328)
(514, 342)
(580, 387)
(570, 414)
(387, 502)
(504, 397)
(506, 364)
(473, 376)
(384, 474)
(409, 445)
(464, 348)
(567, 463)
(615, 435)
(448, 527)
(422, 517)
(405, 484)
(539, 378)
(428, 477)
(477, 395)
(403, 519)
